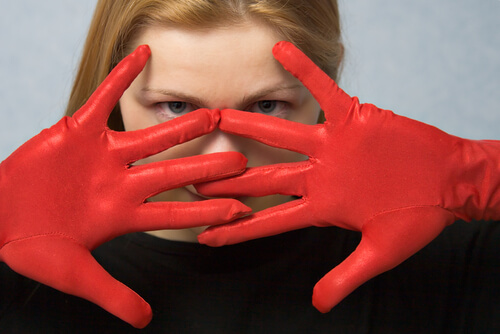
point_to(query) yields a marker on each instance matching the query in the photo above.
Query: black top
(265, 286)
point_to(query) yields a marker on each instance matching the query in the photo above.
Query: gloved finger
(333, 100)
(100, 104)
(139, 144)
(282, 218)
(153, 178)
(63, 264)
(387, 240)
(250, 183)
(177, 215)
(271, 130)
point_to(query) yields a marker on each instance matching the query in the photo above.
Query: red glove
(72, 188)
(398, 181)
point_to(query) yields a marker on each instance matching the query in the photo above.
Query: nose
(219, 141)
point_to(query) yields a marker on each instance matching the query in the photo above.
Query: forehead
(198, 57)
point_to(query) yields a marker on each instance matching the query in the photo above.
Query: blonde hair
(312, 25)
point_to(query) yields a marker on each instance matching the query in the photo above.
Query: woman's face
(231, 67)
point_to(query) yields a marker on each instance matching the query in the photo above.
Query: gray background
(437, 61)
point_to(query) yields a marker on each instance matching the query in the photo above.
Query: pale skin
(216, 68)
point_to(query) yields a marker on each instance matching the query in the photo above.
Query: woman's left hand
(398, 181)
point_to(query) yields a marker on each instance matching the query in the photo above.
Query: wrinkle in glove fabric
(398, 181)
(72, 187)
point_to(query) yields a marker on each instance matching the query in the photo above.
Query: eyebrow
(182, 96)
(267, 91)
(245, 101)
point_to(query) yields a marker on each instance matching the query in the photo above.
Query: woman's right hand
(72, 187)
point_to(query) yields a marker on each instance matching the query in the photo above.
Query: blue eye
(177, 107)
(266, 107)
(270, 107)
(169, 110)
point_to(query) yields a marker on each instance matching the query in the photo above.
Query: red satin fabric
(398, 181)
(72, 188)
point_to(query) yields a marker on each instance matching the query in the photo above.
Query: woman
(215, 56)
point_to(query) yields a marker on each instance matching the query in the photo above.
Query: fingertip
(141, 54)
(143, 49)
(206, 238)
(216, 116)
(241, 210)
(280, 47)
(286, 52)
(235, 210)
(202, 239)
(129, 306)
(237, 158)
(204, 188)
(145, 319)
(215, 236)
(277, 47)
(225, 115)
(320, 301)
(212, 116)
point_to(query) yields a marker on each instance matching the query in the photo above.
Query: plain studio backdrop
(437, 61)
